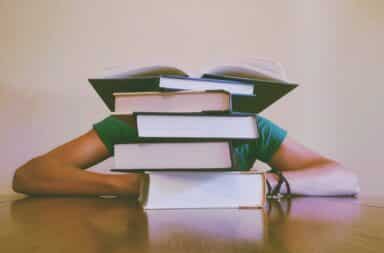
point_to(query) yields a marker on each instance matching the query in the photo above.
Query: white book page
(173, 155)
(172, 102)
(197, 126)
(239, 88)
(204, 190)
(258, 68)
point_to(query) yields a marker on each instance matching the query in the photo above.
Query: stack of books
(186, 128)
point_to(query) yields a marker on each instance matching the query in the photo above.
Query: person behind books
(62, 171)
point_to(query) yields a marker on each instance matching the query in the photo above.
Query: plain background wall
(333, 49)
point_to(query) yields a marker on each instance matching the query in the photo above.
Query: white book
(173, 156)
(173, 190)
(178, 101)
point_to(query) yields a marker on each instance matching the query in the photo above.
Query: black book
(106, 87)
(267, 91)
(251, 90)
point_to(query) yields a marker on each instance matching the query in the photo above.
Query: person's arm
(309, 173)
(61, 172)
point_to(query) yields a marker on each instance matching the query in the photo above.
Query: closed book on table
(170, 190)
(176, 155)
(237, 126)
(178, 101)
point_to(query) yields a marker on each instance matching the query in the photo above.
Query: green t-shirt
(111, 130)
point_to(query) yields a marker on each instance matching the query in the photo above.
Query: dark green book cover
(265, 92)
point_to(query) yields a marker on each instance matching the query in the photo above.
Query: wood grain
(120, 225)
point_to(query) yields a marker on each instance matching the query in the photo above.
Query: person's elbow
(23, 179)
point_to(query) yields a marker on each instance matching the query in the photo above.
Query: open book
(260, 69)
(252, 90)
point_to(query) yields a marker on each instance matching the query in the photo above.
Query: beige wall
(333, 48)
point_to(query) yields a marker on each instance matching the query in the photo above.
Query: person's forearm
(43, 176)
(329, 179)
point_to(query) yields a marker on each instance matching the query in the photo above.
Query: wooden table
(119, 225)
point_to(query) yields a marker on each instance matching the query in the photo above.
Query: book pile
(186, 129)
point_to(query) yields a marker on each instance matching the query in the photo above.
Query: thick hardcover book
(168, 155)
(173, 190)
(106, 87)
(267, 91)
(219, 126)
(178, 101)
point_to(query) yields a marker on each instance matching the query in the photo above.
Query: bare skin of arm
(311, 174)
(61, 171)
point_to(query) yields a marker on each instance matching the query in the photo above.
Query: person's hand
(127, 185)
(272, 179)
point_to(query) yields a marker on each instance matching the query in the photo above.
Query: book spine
(202, 114)
(144, 189)
(234, 162)
(187, 139)
(178, 170)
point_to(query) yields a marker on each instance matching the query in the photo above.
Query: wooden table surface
(119, 225)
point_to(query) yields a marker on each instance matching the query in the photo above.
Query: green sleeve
(270, 138)
(111, 131)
